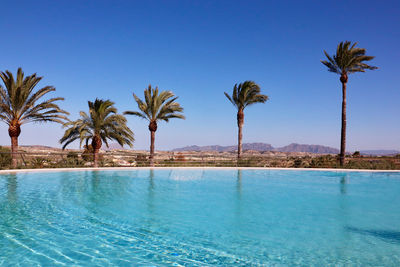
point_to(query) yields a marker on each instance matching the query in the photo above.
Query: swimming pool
(203, 217)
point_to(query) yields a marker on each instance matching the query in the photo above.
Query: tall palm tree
(243, 95)
(19, 104)
(102, 124)
(156, 107)
(348, 59)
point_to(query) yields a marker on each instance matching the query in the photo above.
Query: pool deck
(183, 168)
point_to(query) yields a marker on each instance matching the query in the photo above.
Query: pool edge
(215, 168)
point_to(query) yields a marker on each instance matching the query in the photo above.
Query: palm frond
(135, 113)
(245, 94)
(157, 105)
(348, 59)
(19, 102)
(103, 121)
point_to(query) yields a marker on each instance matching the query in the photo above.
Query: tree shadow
(239, 183)
(151, 182)
(151, 195)
(12, 185)
(386, 235)
(343, 184)
(238, 210)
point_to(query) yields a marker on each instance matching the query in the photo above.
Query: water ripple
(199, 218)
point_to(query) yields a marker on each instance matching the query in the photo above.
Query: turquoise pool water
(200, 217)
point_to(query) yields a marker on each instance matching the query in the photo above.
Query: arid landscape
(43, 156)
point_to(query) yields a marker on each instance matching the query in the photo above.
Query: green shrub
(38, 162)
(374, 164)
(5, 157)
(298, 163)
(141, 160)
(73, 159)
(325, 161)
(87, 154)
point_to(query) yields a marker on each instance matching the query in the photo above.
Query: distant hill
(261, 147)
(113, 146)
(247, 146)
(264, 147)
(318, 149)
(380, 152)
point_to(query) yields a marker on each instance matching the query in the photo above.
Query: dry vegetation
(44, 157)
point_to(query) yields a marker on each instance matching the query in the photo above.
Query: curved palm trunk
(240, 121)
(96, 145)
(343, 79)
(14, 131)
(153, 129)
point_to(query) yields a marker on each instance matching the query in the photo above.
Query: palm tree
(348, 59)
(243, 95)
(19, 105)
(156, 107)
(102, 124)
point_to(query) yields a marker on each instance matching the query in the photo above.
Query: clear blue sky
(199, 49)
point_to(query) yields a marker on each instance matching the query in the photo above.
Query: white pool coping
(183, 168)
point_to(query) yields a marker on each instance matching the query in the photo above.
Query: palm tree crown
(157, 106)
(348, 59)
(245, 94)
(102, 123)
(18, 102)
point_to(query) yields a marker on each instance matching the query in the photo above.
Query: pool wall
(188, 168)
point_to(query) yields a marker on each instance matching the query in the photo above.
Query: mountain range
(381, 152)
(317, 149)
(265, 147)
(261, 147)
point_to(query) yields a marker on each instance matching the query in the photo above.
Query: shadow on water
(238, 210)
(15, 214)
(386, 235)
(12, 185)
(239, 183)
(150, 196)
(151, 182)
(343, 184)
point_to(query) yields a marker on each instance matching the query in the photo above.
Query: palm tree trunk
(14, 130)
(96, 158)
(96, 145)
(152, 140)
(344, 121)
(14, 151)
(152, 129)
(240, 120)
(240, 137)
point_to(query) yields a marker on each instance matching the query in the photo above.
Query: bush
(298, 163)
(326, 161)
(87, 154)
(73, 159)
(38, 162)
(374, 164)
(141, 160)
(5, 157)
